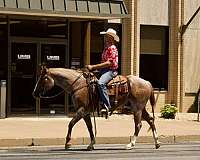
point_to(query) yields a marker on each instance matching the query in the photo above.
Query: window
(38, 28)
(4, 48)
(154, 55)
(97, 41)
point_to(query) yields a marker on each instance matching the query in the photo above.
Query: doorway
(53, 55)
(24, 58)
(27, 56)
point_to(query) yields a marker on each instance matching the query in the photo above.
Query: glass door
(53, 55)
(23, 76)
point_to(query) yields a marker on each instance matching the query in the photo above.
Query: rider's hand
(89, 67)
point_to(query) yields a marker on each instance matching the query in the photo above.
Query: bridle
(61, 92)
(48, 97)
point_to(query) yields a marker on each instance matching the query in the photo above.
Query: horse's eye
(45, 78)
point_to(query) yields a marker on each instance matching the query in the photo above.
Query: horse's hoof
(90, 148)
(104, 114)
(129, 146)
(67, 146)
(157, 145)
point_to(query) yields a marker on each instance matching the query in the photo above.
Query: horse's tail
(152, 102)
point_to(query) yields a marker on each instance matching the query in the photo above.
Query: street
(110, 152)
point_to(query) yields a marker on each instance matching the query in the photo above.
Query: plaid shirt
(110, 53)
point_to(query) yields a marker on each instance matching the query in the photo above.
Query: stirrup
(106, 109)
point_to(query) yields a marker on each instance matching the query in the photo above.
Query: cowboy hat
(112, 33)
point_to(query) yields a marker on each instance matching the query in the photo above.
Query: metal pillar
(3, 99)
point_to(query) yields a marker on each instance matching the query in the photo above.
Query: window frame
(157, 75)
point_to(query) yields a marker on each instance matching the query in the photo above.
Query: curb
(99, 140)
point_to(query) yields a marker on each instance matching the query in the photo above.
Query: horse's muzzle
(34, 95)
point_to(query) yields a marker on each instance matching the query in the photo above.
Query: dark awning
(94, 9)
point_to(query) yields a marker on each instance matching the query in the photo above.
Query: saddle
(118, 85)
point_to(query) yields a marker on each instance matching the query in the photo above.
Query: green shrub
(168, 111)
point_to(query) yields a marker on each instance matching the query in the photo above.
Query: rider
(108, 66)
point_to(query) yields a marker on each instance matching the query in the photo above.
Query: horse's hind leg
(88, 122)
(138, 126)
(150, 120)
(79, 114)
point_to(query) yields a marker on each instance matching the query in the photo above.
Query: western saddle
(117, 86)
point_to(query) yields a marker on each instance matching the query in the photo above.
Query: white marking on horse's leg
(132, 143)
(155, 136)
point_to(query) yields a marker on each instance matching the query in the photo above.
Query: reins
(49, 97)
(93, 109)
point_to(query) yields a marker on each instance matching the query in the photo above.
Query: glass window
(97, 40)
(4, 48)
(154, 55)
(38, 28)
(75, 46)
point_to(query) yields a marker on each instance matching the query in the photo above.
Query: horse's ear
(44, 70)
(43, 66)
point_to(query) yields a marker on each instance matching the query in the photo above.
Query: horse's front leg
(88, 122)
(79, 114)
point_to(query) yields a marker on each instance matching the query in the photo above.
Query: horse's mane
(65, 72)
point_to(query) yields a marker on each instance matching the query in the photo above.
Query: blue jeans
(106, 76)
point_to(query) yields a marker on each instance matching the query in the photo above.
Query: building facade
(57, 33)
(158, 42)
(161, 45)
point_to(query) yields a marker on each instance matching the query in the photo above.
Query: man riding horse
(108, 66)
(136, 93)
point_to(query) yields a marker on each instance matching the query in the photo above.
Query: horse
(74, 82)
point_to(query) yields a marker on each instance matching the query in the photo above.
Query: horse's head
(44, 83)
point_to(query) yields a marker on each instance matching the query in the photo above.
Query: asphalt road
(105, 152)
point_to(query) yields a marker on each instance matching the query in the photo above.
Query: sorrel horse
(73, 81)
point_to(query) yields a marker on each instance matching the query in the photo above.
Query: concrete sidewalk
(17, 131)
